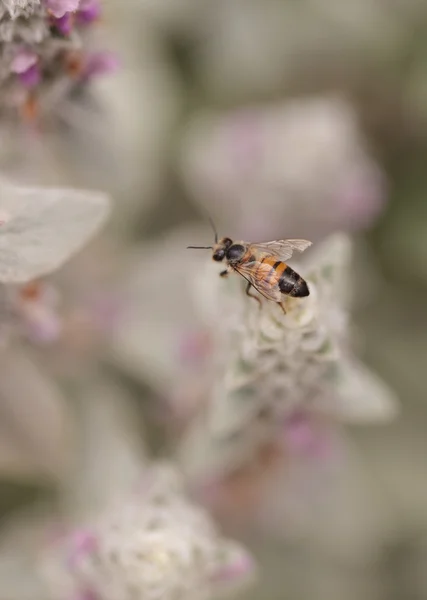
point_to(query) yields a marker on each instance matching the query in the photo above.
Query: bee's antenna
(216, 237)
(214, 229)
(200, 247)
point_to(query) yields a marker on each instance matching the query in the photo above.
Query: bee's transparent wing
(283, 249)
(258, 275)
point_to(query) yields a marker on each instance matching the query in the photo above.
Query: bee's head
(220, 249)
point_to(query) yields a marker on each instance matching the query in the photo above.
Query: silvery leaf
(40, 228)
(363, 397)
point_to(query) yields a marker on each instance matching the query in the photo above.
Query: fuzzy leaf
(40, 228)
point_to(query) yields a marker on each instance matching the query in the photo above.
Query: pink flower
(158, 544)
(59, 7)
(51, 59)
(64, 24)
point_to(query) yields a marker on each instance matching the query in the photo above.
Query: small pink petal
(239, 568)
(23, 60)
(64, 24)
(31, 77)
(89, 11)
(81, 544)
(59, 7)
(100, 63)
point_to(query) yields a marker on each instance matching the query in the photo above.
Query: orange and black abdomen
(292, 284)
(288, 280)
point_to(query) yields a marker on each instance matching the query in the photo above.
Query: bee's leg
(282, 307)
(226, 272)
(248, 287)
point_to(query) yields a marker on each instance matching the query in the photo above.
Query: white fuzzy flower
(41, 228)
(156, 545)
(269, 364)
(18, 8)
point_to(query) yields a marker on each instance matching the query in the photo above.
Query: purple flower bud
(64, 24)
(59, 7)
(89, 11)
(31, 77)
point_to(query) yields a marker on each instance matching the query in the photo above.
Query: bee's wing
(283, 249)
(257, 274)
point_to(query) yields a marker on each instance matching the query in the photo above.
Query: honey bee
(263, 266)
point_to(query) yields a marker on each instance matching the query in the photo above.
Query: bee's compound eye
(218, 255)
(235, 252)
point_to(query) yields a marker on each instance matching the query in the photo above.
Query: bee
(262, 265)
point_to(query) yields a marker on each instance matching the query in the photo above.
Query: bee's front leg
(226, 272)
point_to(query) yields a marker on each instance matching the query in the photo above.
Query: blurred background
(279, 119)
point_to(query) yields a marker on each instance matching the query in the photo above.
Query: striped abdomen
(288, 280)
